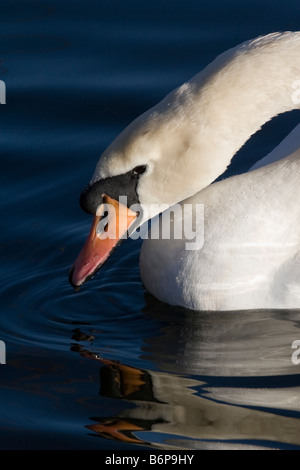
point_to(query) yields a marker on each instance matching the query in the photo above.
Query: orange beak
(110, 225)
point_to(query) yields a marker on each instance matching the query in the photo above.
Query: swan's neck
(220, 108)
(256, 83)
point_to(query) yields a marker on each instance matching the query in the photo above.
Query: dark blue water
(109, 367)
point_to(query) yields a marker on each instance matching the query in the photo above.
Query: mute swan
(173, 153)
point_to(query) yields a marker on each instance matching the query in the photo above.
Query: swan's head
(148, 160)
(143, 170)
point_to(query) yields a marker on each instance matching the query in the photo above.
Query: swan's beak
(110, 226)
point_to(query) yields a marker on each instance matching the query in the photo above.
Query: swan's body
(251, 252)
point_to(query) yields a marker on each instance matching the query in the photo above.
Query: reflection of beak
(129, 380)
(110, 225)
(118, 429)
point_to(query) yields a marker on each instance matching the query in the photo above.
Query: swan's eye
(139, 170)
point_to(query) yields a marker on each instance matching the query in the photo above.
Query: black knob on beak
(91, 198)
(114, 186)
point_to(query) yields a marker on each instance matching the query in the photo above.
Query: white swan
(251, 252)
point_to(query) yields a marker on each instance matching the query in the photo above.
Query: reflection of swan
(250, 258)
(221, 380)
(169, 413)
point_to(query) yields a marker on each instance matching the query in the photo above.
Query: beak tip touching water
(97, 249)
(71, 272)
